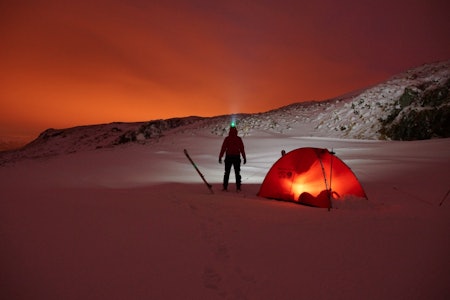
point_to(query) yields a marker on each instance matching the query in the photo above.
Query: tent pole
(325, 177)
(331, 172)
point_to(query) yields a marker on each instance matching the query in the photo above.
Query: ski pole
(198, 171)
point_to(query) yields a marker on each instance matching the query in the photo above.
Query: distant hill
(409, 106)
(8, 143)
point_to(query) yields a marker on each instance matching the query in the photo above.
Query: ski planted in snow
(198, 171)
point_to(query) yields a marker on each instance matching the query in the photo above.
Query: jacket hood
(233, 131)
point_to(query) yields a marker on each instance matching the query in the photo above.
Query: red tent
(310, 176)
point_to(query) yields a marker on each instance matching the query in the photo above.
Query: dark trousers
(235, 161)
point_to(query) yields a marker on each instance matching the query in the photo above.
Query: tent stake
(445, 197)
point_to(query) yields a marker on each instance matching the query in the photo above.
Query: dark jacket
(232, 145)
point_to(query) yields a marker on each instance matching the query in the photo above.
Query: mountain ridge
(411, 105)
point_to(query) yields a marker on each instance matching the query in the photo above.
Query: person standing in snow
(233, 148)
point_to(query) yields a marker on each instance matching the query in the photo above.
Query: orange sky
(68, 63)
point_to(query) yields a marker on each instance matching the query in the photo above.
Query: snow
(136, 222)
(85, 217)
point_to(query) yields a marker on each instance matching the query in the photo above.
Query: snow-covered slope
(136, 222)
(368, 114)
(411, 105)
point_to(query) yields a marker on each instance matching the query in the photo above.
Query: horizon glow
(69, 63)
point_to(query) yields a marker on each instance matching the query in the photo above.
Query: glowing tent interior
(310, 176)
